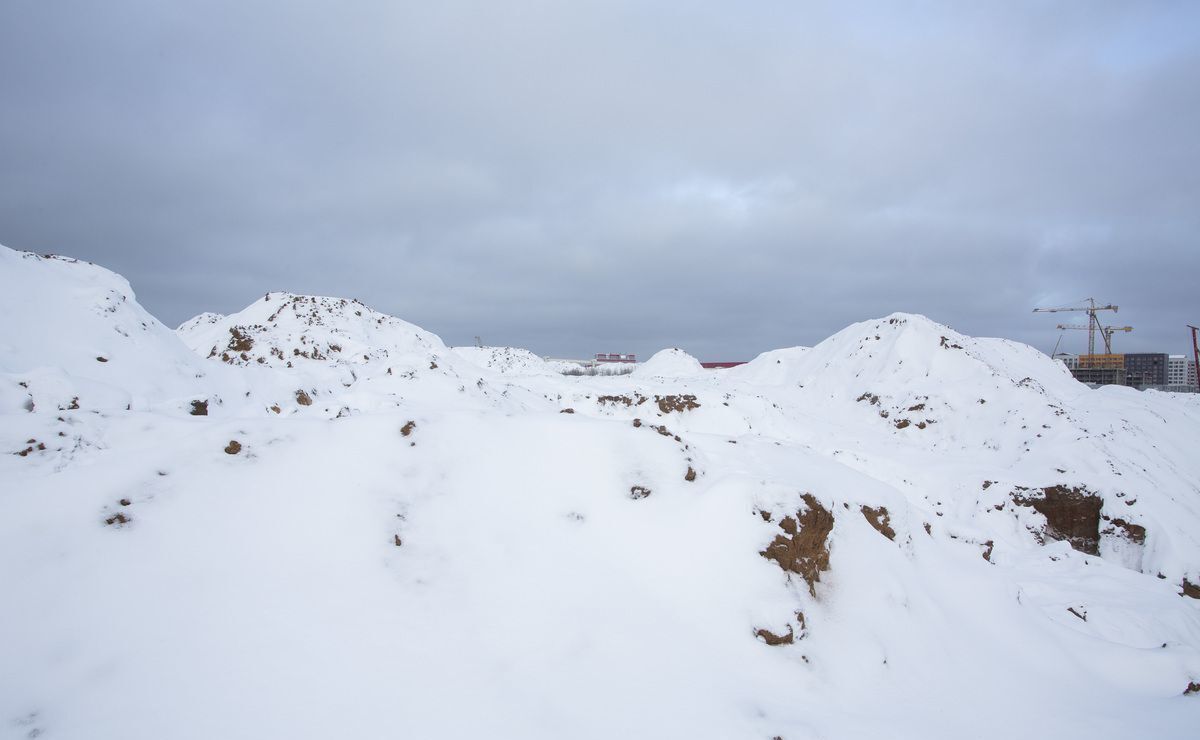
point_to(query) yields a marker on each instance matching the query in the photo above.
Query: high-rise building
(1181, 371)
(1145, 369)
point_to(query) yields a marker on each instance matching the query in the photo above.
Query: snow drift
(319, 521)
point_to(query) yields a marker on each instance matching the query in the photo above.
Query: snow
(532, 595)
(669, 363)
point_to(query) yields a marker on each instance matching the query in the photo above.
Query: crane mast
(1093, 324)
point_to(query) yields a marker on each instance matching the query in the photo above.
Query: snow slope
(900, 532)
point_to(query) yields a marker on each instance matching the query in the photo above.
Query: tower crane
(1093, 322)
(1105, 331)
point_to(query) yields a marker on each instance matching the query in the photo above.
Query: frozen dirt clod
(1072, 514)
(771, 638)
(880, 520)
(803, 548)
(676, 403)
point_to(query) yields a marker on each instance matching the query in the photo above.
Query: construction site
(1141, 370)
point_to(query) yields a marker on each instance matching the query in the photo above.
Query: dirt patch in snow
(681, 403)
(1135, 533)
(771, 638)
(880, 520)
(803, 548)
(638, 492)
(1192, 688)
(690, 475)
(408, 428)
(1072, 514)
(118, 519)
(636, 399)
(233, 448)
(239, 341)
(303, 398)
(199, 408)
(1191, 590)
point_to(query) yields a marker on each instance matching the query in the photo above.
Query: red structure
(718, 365)
(615, 357)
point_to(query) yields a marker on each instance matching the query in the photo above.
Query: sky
(579, 177)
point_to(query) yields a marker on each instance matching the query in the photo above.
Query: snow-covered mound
(506, 360)
(669, 363)
(900, 532)
(773, 367)
(286, 330)
(198, 324)
(72, 334)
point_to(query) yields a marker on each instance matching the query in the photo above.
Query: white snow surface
(433, 547)
(668, 363)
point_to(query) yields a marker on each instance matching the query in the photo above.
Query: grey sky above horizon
(576, 177)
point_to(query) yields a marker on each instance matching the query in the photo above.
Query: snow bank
(668, 363)
(900, 532)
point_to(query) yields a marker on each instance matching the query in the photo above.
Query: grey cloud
(579, 177)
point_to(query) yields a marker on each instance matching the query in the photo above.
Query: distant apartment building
(1137, 370)
(615, 357)
(1071, 361)
(1145, 369)
(1181, 371)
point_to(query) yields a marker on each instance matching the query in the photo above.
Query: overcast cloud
(586, 176)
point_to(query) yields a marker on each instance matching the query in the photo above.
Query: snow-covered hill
(318, 521)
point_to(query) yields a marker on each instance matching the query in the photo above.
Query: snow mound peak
(669, 363)
(903, 351)
(506, 360)
(75, 335)
(288, 330)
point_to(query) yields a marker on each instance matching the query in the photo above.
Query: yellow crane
(1105, 331)
(1093, 324)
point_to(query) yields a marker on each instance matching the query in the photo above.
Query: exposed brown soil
(803, 548)
(303, 398)
(397, 541)
(1135, 533)
(1191, 590)
(199, 408)
(638, 492)
(662, 429)
(239, 341)
(1072, 514)
(667, 404)
(690, 475)
(433, 366)
(987, 550)
(901, 423)
(118, 519)
(408, 428)
(124, 502)
(637, 422)
(636, 399)
(880, 520)
(771, 638)
(233, 448)
(276, 408)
